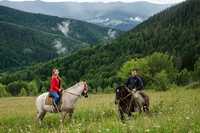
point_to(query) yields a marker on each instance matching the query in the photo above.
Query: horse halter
(85, 90)
(130, 93)
(73, 94)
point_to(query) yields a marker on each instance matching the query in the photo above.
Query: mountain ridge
(93, 12)
(58, 35)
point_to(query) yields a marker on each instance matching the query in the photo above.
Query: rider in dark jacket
(136, 82)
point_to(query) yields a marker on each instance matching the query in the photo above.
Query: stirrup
(56, 109)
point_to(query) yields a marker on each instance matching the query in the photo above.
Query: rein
(78, 95)
(73, 94)
(130, 93)
(122, 99)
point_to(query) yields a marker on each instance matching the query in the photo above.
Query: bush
(14, 88)
(162, 81)
(194, 85)
(142, 64)
(197, 70)
(23, 92)
(3, 92)
(158, 62)
(184, 77)
(32, 88)
(158, 70)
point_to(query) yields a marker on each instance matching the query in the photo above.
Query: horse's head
(120, 93)
(85, 89)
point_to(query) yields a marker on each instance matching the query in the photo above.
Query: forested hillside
(174, 31)
(28, 38)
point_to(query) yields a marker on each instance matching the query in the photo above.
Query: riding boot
(146, 98)
(55, 107)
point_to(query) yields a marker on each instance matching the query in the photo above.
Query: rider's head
(55, 72)
(134, 72)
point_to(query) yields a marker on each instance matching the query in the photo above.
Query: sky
(152, 1)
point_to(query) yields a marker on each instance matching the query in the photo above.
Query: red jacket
(55, 84)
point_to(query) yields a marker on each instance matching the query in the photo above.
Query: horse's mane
(123, 90)
(74, 86)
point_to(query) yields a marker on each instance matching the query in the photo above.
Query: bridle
(73, 94)
(131, 92)
(78, 95)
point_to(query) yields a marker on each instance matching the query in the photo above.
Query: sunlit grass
(171, 111)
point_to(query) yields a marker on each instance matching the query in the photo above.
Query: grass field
(172, 111)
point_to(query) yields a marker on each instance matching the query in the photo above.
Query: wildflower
(147, 130)
(107, 129)
(156, 126)
(9, 130)
(187, 118)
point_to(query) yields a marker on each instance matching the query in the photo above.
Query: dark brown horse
(129, 101)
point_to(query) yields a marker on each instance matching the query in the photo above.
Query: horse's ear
(84, 81)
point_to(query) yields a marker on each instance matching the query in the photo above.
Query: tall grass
(171, 111)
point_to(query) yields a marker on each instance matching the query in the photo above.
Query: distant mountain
(27, 38)
(174, 31)
(118, 15)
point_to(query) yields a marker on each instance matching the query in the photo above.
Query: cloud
(137, 19)
(59, 47)
(64, 27)
(106, 1)
(112, 33)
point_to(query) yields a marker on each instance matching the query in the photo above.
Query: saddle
(49, 101)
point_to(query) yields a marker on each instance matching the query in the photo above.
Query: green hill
(175, 31)
(28, 38)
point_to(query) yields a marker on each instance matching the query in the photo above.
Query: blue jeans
(55, 96)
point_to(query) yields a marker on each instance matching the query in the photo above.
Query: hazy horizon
(107, 1)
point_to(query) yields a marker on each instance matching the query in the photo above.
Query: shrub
(184, 77)
(158, 70)
(142, 64)
(3, 91)
(14, 88)
(194, 85)
(162, 81)
(197, 70)
(23, 92)
(32, 88)
(158, 62)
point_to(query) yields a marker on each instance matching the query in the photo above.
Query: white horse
(68, 100)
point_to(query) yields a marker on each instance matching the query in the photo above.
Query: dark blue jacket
(135, 82)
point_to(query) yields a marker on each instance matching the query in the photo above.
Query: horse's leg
(40, 116)
(121, 114)
(129, 114)
(146, 101)
(63, 115)
(139, 106)
(146, 106)
(70, 115)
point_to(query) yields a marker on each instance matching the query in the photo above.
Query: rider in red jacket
(55, 88)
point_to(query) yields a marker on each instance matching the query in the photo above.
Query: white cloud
(111, 33)
(152, 1)
(64, 27)
(137, 19)
(59, 47)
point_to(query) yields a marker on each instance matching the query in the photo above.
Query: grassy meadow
(173, 111)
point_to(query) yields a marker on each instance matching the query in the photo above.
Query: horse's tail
(39, 103)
